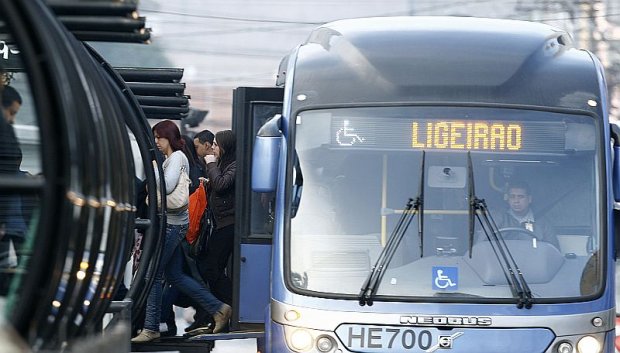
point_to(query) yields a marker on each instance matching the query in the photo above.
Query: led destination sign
(459, 135)
(446, 134)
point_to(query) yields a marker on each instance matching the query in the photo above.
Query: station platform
(238, 342)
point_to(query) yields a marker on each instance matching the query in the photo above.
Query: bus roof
(443, 60)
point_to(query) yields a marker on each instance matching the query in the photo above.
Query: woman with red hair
(176, 166)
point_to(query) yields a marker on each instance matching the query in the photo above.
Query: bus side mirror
(266, 155)
(615, 181)
(616, 173)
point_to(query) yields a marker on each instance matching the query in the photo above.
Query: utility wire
(212, 32)
(418, 10)
(229, 18)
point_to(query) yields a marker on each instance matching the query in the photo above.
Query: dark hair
(519, 184)
(205, 136)
(196, 165)
(10, 95)
(227, 142)
(169, 130)
(190, 151)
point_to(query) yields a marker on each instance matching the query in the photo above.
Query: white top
(173, 165)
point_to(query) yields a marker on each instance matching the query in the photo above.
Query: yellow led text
(466, 135)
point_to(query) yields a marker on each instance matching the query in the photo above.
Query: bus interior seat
(356, 196)
(538, 264)
(444, 235)
(575, 240)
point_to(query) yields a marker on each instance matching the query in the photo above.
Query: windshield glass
(538, 172)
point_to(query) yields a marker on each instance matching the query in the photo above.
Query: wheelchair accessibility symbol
(445, 278)
(346, 135)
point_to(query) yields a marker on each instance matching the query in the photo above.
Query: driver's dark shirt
(542, 228)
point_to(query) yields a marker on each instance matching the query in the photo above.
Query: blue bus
(383, 169)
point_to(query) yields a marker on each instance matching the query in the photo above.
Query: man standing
(12, 224)
(11, 103)
(10, 151)
(203, 141)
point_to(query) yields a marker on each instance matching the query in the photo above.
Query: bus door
(252, 107)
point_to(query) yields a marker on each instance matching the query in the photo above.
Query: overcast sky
(227, 44)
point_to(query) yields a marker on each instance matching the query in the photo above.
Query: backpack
(197, 206)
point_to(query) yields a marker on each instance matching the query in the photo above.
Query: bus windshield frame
(361, 164)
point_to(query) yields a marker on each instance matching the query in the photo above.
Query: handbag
(178, 199)
(197, 206)
(207, 225)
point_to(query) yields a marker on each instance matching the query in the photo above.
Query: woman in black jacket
(221, 170)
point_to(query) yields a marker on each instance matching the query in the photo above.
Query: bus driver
(520, 215)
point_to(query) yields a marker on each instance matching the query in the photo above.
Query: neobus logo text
(446, 320)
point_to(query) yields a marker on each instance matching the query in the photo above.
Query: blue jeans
(173, 296)
(171, 264)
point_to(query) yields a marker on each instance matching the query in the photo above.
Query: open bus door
(252, 107)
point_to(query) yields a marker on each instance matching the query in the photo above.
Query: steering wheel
(519, 230)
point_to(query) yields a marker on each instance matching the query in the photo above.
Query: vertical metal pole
(384, 202)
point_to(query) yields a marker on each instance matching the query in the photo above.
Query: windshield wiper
(478, 209)
(371, 285)
(376, 273)
(523, 289)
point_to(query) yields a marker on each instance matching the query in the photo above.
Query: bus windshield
(538, 173)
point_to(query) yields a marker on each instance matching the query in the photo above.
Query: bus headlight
(292, 315)
(588, 344)
(324, 344)
(565, 347)
(301, 340)
(307, 340)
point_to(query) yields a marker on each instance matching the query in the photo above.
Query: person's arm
(172, 171)
(221, 181)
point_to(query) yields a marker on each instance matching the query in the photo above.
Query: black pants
(212, 268)
(173, 296)
(212, 265)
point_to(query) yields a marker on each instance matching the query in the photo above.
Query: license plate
(373, 338)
